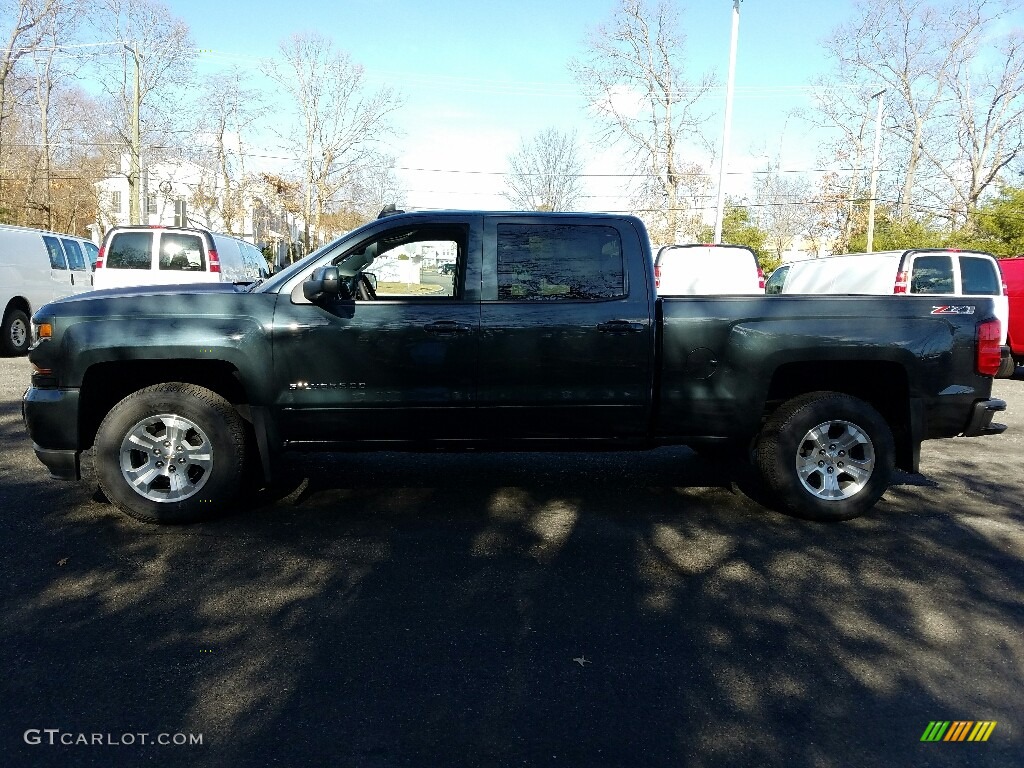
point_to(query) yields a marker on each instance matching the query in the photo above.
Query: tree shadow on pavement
(510, 609)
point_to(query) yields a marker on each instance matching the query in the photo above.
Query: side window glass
(92, 253)
(932, 274)
(978, 276)
(776, 281)
(76, 259)
(259, 264)
(56, 253)
(408, 263)
(543, 262)
(182, 252)
(130, 250)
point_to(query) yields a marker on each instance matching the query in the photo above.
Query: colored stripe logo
(958, 730)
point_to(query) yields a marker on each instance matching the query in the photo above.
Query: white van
(936, 272)
(156, 255)
(37, 267)
(707, 269)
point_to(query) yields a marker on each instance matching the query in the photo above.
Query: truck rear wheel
(826, 456)
(171, 453)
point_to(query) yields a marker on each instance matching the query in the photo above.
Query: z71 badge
(953, 310)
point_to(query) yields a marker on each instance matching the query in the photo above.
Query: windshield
(275, 282)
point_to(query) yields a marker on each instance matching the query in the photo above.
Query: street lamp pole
(874, 170)
(726, 130)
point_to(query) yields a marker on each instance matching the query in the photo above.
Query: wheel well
(106, 384)
(18, 302)
(882, 384)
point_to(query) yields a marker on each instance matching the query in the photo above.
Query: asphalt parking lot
(506, 610)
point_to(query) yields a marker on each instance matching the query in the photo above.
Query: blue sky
(480, 76)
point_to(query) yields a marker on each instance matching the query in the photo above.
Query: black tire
(207, 440)
(852, 462)
(15, 333)
(1007, 367)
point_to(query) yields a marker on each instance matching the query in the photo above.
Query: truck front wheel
(171, 453)
(826, 456)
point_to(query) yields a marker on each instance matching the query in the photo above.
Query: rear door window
(76, 259)
(932, 274)
(979, 276)
(130, 250)
(775, 283)
(55, 252)
(543, 262)
(92, 253)
(182, 252)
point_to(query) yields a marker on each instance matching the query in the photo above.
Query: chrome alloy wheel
(19, 333)
(166, 457)
(835, 460)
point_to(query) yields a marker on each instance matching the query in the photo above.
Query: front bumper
(51, 418)
(981, 418)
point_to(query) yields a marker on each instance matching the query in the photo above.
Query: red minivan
(1013, 277)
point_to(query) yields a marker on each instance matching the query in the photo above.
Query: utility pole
(134, 215)
(726, 130)
(874, 170)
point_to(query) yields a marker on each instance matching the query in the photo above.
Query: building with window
(182, 193)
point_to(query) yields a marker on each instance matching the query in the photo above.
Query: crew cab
(549, 335)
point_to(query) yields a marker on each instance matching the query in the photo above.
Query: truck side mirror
(325, 282)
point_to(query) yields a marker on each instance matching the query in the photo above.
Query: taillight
(657, 276)
(214, 261)
(901, 283)
(989, 351)
(760, 278)
(99, 259)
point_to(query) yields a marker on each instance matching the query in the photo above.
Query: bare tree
(987, 120)
(47, 125)
(545, 173)
(837, 210)
(926, 55)
(784, 208)
(50, 72)
(231, 107)
(373, 187)
(633, 77)
(849, 112)
(156, 46)
(339, 122)
(24, 26)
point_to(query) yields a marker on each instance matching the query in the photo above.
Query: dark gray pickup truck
(547, 334)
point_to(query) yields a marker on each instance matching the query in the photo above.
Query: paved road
(551, 609)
